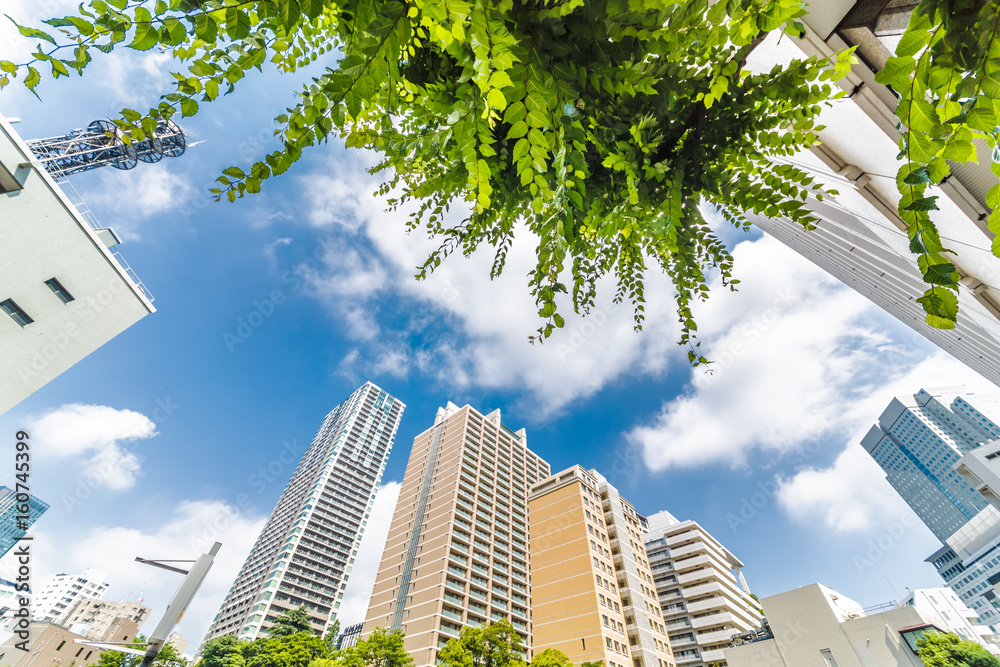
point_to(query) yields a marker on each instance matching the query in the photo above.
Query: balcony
(452, 615)
(717, 637)
(712, 619)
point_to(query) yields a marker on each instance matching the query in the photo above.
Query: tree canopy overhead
(598, 126)
(949, 650)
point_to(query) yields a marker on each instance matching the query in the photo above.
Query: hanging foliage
(946, 72)
(599, 126)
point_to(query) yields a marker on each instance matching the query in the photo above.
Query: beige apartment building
(593, 594)
(457, 550)
(705, 599)
(93, 617)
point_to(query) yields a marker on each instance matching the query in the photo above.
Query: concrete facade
(944, 609)
(591, 586)
(702, 591)
(46, 236)
(51, 645)
(305, 553)
(860, 238)
(92, 617)
(457, 550)
(815, 626)
(981, 469)
(54, 601)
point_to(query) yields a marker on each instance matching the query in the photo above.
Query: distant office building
(10, 600)
(350, 636)
(815, 626)
(305, 553)
(51, 645)
(943, 608)
(457, 551)
(64, 288)
(92, 617)
(920, 442)
(591, 587)
(56, 599)
(705, 599)
(12, 527)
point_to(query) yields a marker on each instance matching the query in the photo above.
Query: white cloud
(185, 534)
(359, 586)
(488, 321)
(853, 494)
(98, 435)
(152, 189)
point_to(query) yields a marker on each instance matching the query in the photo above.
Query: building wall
(92, 617)
(943, 608)
(457, 551)
(57, 598)
(701, 590)
(54, 646)
(590, 595)
(10, 529)
(814, 626)
(305, 553)
(44, 236)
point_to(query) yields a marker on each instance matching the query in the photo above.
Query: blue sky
(150, 446)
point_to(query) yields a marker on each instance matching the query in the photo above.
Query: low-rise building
(704, 597)
(56, 598)
(815, 626)
(944, 608)
(350, 636)
(92, 617)
(51, 645)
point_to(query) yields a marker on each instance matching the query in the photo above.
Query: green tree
(121, 659)
(551, 657)
(224, 651)
(169, 655)
(290, 622)
(595, 126)
(495, 645)
(593, 663)
(296, 650)
(380, 649)
(946, 72)
(948, 650)
(331, 636)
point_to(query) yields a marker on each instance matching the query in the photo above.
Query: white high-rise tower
(306, 550)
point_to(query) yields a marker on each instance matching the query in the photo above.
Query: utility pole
(175, 610)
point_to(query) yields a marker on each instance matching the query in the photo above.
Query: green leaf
(188, 107)
(7, 66)
(32, 32)
(897, 72)
(237, 23)
(235, 172)
(941, 306)
(312, 8)
(146, 34)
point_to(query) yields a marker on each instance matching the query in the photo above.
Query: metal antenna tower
(101, 144)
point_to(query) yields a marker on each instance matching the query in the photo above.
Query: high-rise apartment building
(593, 594)
(57, 598)
(307, 548)
(703, 594)
(918, 441)
(92, 617)
(11, 526)
(457, 550)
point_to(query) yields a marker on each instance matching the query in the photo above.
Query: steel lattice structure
(102, 144)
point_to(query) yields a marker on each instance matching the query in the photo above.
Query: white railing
(81, 207)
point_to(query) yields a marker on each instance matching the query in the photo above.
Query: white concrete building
(93, 617)
(54, 601)
(981, 469)
(701, 588)
(64, 289)
(860, 238)
(814, 626)
(944, 609)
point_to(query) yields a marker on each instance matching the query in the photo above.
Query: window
(15, 312)
(59, 290)
(61, 644)
(828, 657)
(8, 181)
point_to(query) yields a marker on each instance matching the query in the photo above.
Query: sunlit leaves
(946, 72)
